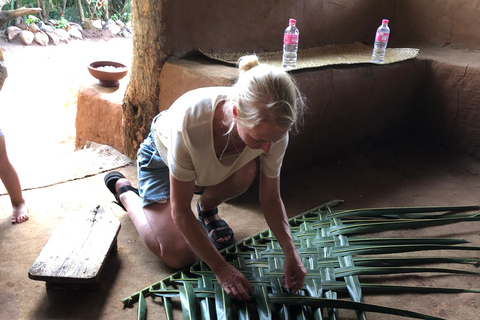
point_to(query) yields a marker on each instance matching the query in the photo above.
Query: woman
(206, 143)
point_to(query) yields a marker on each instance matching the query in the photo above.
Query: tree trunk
(18, 20)
(105, 10)
(6, 16)
(80, 11)
(151, 48)
(43, 14)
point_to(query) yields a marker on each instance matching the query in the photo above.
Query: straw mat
(323, 56)
(94, 158)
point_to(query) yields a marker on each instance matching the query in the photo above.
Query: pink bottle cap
(292, 22)
(385, 21)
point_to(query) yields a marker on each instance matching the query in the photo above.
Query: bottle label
(290, 38)
(382, 36)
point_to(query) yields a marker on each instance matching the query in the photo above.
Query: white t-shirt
(184, 139)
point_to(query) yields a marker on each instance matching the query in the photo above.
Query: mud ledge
(350, 106)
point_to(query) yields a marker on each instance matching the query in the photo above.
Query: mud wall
(253, 26)
(426, 93)
(441, 23)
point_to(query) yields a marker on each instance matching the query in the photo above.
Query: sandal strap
(210, 227)
(111, 179)
(216, 224)
(207, 213)
(122, 190)
(221, 233)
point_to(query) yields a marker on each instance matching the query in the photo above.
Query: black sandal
(215, 224)
(110, 181)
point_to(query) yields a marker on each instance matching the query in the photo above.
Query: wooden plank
(78, 249)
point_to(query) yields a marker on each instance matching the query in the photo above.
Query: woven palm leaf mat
(94, 158)
(336, 259)
(323, 56)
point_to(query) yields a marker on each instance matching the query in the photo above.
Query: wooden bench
(76, 253)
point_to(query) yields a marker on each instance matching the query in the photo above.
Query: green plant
(31, 19)
(120, 10)
(115, 17)
(71, 14)
(95, 8)
(62, 23)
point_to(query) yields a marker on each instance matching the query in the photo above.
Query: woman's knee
(166, 241)
(176, 255)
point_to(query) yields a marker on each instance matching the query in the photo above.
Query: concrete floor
(412, 174)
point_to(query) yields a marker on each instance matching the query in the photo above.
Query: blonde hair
(264, 93)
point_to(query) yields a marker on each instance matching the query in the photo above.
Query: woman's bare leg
(235, 185)
(9, 177)
(155, 225)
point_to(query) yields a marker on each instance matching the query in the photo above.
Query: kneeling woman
(207, 143)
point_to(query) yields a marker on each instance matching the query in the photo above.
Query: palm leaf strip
(353, 284)
(142, 308)
(343, 304)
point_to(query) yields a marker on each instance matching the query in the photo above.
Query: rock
(41, 25)
(76, 26)
(128, 24)
(114, 29)
(62, 35)
(26, 37)
(53, 38)
(120, 24)
(75, 33)
(47, 28)
(32, 27)
(52, 22)
(41, 38)
(12, 32)
(126, 33)
(93, 24)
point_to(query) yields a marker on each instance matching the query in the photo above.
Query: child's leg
(9, 177)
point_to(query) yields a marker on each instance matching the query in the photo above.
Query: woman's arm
(276, 217)
(231, 280)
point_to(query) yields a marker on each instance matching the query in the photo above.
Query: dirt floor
(39, 124)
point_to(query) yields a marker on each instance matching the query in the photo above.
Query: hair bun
(246, 63)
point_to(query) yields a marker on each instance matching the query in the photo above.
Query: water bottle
(381, 40)
(290, 45)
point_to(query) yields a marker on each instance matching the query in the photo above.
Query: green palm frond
(142, 308)
(336, 263)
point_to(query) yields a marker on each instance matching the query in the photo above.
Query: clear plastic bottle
(381, 40)
(290, 45)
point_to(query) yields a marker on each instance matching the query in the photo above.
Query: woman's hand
(234, 283)
(295, 273)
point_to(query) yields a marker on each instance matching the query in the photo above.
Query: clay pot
(108, 73)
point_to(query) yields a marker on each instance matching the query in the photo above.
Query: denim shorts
(153, 173)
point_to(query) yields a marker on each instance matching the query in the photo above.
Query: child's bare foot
(20, 213)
